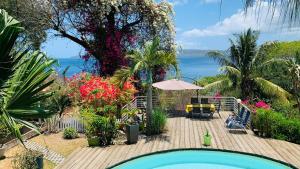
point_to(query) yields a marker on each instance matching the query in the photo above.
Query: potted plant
(29, 159)
(40, 161)
(92, 139)
(132, 127)
(207, 138)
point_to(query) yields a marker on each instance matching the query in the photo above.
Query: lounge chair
(239, 124)
(236, 117)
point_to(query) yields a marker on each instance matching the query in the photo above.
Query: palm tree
(289, 9)
(293, 65)
(241, 66)
(22, 77)
(147, 60)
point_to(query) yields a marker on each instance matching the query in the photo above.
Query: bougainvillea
(95, 91)
(107, 29)
(98, 90)
(262, 104)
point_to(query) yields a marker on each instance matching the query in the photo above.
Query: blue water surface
(192, 67)
(200, 159)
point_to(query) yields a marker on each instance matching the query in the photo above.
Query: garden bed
(54, 142)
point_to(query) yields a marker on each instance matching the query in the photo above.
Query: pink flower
(245, 101)
(262, 104)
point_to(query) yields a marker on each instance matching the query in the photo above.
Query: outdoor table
(189, 107)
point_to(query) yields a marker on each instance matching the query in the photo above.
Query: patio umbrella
(175, 84)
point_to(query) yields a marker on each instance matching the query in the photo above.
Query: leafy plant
(275, 125)
(22, 79)
(147, 60)
(59, 100)
(207, 133)
(26, 160)
(70, 133)
(105, 128)
(131, 114)
(159, 120)
(241, 65)
(4, 133)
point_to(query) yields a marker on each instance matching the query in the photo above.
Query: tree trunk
(246, 88)
(149, 102)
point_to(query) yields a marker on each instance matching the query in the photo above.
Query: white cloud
(178, 2)
(241, 21)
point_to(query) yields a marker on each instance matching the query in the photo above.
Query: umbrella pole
(198, 94)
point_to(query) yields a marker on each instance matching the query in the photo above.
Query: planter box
(94, 141)
(207, 140)
(40, 162)
(132, 133)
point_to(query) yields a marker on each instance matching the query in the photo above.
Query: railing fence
(227, 103)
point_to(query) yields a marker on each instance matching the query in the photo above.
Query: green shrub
(275, 125)
(286, 109)
(4, 133)
(70, 133)
(103, 127)
(26, 160)
(158, 121)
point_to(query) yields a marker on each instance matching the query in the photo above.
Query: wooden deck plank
(185, 133)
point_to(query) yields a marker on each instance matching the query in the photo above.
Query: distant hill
(193, 52)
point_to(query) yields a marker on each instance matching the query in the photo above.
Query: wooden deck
(185, 133)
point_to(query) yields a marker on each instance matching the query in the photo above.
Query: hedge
(275, 125)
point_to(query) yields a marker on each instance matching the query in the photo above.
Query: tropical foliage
(241, 66)
(106, 29)
(289, 10)
(22, 78)
(293, 71)
(70, 133)
(146, 61)
(159, 121)
(275, 125)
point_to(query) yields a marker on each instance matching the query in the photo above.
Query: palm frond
(221, 58)
(271, 89)
(289, 9)
(218, 85)
(22, 84)
(231, 71)
(122, 75)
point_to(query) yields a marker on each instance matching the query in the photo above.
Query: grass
(54, 142)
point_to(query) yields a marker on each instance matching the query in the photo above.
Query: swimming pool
(200, 159)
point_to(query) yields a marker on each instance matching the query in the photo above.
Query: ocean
(191, 67)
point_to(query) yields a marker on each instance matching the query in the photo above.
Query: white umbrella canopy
(175, 84)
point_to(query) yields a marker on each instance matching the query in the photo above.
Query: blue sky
(200, 24)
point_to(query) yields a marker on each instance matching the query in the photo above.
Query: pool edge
(207, 149)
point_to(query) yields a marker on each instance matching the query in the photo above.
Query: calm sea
(190, 67)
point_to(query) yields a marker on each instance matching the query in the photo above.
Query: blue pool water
(200, 159)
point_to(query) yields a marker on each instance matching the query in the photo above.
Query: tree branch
(126, 27)
(73, 38)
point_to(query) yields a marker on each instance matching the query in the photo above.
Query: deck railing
(227, 103)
